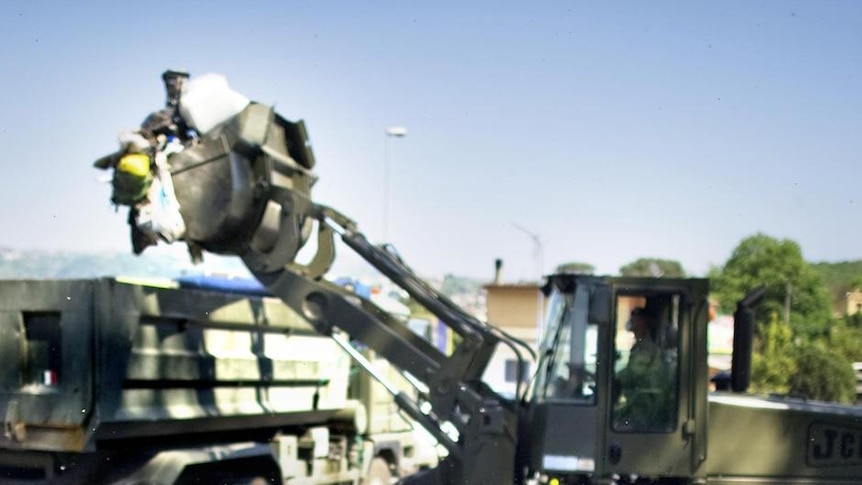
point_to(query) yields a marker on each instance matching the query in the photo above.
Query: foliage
(418, 311)
(654, 267)
(576, 267)
(845, 338)
(842, 276)
(822, 375)
(777, 338)
(807, 370)
(772, 366)
(854, 321)
(771, 375)
(791, 359)
(456, 285)
(778, 265)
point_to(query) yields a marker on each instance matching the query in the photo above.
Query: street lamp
(398, 131)
(538, 250)
(391, 132)
(539, 254)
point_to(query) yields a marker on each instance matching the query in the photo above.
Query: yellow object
(135, 164)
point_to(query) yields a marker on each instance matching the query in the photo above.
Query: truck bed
(87, 362)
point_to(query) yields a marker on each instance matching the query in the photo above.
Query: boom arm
(487, 425)
(230, 176)
(242, 187)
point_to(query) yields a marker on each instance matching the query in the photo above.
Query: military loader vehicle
(603, 407)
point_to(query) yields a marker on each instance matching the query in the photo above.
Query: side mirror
(743, 336)
(600, 305)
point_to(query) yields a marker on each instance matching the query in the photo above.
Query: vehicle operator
(643, 382)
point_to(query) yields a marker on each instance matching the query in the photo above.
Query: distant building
(518, 309)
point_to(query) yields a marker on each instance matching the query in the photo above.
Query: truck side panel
(197, 354)
(46, 358)
(773, 440)
(89, 367)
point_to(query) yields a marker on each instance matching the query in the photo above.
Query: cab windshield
(568, 368)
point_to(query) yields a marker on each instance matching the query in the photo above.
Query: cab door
(654, 414)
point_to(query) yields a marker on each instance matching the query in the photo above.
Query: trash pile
(141, 176)
(217, 171)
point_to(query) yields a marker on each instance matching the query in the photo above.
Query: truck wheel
(378, 473)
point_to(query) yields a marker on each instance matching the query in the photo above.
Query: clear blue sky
(659, 129)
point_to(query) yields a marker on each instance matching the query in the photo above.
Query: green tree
(791, 283)
(455, 285)
(419, 311)
(840, 278)
(822, 375)
(807, 369)
(775, 363)
(789, 358)
(576, 267)
(655, 267)
(845, 338)
(840, 275)
(854, 321)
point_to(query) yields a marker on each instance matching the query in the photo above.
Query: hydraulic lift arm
(242, 187)
(486, 424)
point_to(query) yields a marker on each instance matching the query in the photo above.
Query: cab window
(646, 378)
(569, 373)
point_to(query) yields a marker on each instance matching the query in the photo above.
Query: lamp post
(539, 254)
(391, 132)
(538, 249)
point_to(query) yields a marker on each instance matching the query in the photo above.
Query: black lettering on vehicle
(825, 453)
(847, 440)
(830, 445)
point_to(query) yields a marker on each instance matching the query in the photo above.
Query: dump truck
(603, 407)
(111, 381)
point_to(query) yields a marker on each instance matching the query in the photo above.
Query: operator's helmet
(643, 314)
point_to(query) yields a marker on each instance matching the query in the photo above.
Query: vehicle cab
(621, 385)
